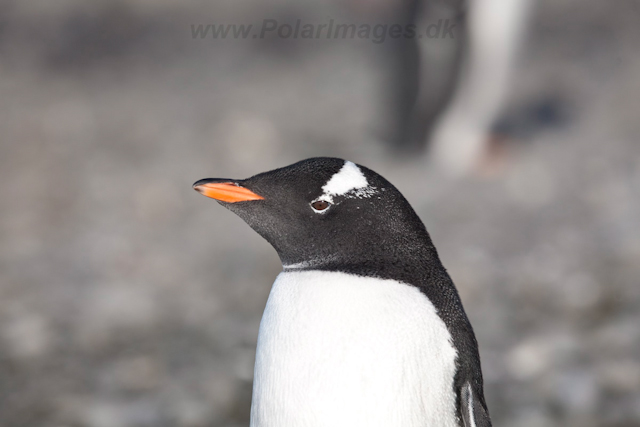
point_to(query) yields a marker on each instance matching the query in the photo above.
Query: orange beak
(225, 191)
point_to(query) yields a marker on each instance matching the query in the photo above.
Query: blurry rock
(577, 391)
(580, 292)
(243, 363)
(618, 336)
(533, 417)
(620, 376)
(542, 354)
(129, 413)
(113, 309)
(531, 184)
(27, 335)
(530, 358)
(137, 374)
(191, 412)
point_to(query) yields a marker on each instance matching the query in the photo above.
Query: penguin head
(324, 213)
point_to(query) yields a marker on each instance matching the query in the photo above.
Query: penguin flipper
(472, 411)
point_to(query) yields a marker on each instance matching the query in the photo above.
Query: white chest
(339, 350)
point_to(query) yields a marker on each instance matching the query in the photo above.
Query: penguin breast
(335, 349)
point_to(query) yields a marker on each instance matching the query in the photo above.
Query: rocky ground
(126, 299)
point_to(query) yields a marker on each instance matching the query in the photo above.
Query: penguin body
(336, 349)
(363, 327)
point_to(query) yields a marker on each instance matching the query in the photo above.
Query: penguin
(363, 327)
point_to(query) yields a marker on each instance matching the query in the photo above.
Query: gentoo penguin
(363, 327)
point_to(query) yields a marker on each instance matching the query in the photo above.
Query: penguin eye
(320, 205)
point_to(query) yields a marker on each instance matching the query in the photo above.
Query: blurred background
(127, 299)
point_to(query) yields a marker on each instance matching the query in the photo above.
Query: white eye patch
(350, 177)
(349, 181)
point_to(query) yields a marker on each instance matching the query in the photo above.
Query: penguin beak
(225, 190)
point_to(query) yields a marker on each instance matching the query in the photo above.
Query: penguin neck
(412, 260)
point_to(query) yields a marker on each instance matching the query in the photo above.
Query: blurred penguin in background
(461, 136)
(446, 79)
(449, 82)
